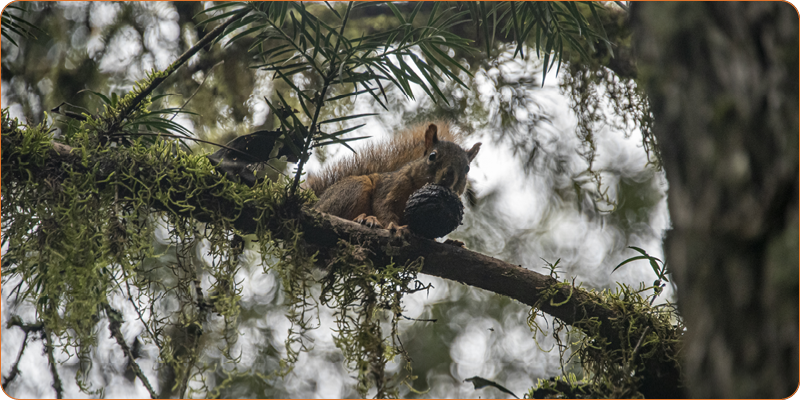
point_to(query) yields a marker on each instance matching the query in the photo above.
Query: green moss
(650, 342)
(362, 294)
(78, 234)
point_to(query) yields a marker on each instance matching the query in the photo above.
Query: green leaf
(218, 17)
(100, 95)
(334, 137)
(333, 10)
(480, 383)
(245, 33)
(661, 272)
(629, 260)
(432, 18)
(349, 94)
(414, 12)
(220, 6)
(317, 38)
(7, 36)
(443, 67)
(604, 37)
(301, 95)
(399, 79)
(423, 69)
(482, 8)
(11, 23)
(278, 113)
(452, 21)
(380, 86)
(287, 66)
(332, 120)
(342, 142)
(170, 111)
(396, 12)
(336, 134)
(295, 71)
(276, 50)
(296, 122)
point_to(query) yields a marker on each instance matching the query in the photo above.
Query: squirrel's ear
(430, 136)
(471, 153)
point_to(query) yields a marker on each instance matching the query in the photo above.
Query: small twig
(639, 343)
(635, 350)
(48, 345)
(27, 329)
(114, 322)
(196, 90)
(417, 319)
(68, 113)
(15, 368)
(141, 317)
(208, 38)
(16, 321)
(623, 6)
(320, 101)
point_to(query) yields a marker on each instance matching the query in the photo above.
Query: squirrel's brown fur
(373, 185)
(378, 157)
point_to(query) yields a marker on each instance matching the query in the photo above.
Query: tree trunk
(723, 83)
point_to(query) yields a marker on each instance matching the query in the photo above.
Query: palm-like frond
(550, 27)
(13, 23)
(311, 40)
(291, 38)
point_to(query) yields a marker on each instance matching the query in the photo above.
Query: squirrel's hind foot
(454, 242)
(399, 231)
(368, 220)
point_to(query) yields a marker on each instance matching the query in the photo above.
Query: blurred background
(543, 193)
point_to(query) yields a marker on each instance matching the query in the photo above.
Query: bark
(722, 79)
(322, 232)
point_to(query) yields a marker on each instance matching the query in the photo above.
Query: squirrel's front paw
(368, 220)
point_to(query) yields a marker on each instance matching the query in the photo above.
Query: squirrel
(373, 186)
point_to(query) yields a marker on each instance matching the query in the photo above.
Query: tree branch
(321, 233)
(605, 322)
(114, 322)
(48, 345)
(15, 368)
(27, 329)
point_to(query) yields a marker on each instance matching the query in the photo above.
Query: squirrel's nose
(449, 179)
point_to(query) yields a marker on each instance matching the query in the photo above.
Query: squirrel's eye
(467, 168)
(432, 157)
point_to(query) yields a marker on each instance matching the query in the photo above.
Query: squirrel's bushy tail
(378, 157)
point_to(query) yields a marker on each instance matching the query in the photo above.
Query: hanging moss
(78, 232)
(363, 295)
(643, 361)
(79, 229)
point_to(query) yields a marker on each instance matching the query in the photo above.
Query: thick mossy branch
(199, 193)
(78, 229)
(186, 186)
